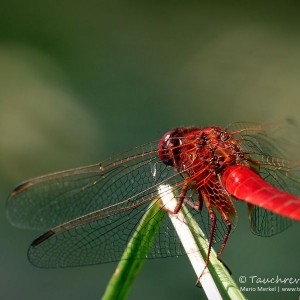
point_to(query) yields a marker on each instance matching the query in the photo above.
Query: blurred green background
(82, 80)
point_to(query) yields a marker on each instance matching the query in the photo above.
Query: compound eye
(165, 148)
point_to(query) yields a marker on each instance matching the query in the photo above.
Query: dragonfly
(90, 213)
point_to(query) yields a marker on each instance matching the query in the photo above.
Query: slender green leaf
(222, 278)
(139, 246)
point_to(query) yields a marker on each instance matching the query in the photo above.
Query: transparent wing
(95, 238)
(267, 149)
(47, 201)
(266, 223)
(95, 210)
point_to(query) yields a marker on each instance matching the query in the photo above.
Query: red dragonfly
(94, 210)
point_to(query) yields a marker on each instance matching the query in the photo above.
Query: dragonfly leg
(198, 206)
(228, 224)
(213, 219)
(183, 192)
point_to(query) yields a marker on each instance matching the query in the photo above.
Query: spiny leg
(213, 219)
(182, 195)
(199, 205)
(228, 224)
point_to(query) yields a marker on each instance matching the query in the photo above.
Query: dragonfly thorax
(189, 149)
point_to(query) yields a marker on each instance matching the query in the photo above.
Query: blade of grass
(195, 242)
(142, 241)
(138, 247)
(187, 239)
(224, 281)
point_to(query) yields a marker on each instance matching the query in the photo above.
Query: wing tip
(21, 187)
(42, 238)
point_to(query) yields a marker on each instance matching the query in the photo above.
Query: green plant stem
(194, 241)
(142, 241)
(222, 278)
(135, 253)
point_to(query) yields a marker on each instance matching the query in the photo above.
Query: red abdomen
(245, 184)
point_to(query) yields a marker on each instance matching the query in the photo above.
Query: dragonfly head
(169, 147)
